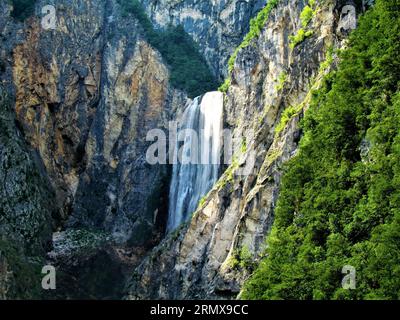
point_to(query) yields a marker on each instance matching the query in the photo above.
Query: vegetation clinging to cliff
(189, 70)
(339, 201)
(256, 26)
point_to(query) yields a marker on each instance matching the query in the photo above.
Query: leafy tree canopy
(340, 197)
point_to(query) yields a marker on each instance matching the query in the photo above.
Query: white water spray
(198, 147)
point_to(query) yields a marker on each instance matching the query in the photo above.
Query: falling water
(198, 147)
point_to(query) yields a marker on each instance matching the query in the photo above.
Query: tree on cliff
(340, 198)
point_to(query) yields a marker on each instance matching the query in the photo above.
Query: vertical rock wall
(212, 255)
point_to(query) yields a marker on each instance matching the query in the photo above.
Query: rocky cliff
(216, 26)
(25, 210)
(86, 93)
(271, 84)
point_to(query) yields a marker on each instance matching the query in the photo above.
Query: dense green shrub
(306, 16)
(339, 202)
(189, 70)
(22, 9)
(299, 37)
(281, 81)
(225, 86)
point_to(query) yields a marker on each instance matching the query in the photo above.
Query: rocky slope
(216, 26)
(86, 93)
(272, 80)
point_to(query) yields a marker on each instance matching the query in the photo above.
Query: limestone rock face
(73, 148)
(86, 94)
(213, 254)
(218, 27)
(56, 74)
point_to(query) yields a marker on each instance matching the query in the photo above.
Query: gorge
(309, 94)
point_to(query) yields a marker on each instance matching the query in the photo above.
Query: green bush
(281, 81)
(287, 114)
(22, 9)
(225, 86)
(306, 16)
(339, 201)
(241, 259)
(189, 70)
(299, 37)
(202, 201)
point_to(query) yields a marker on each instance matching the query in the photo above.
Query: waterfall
(198, 150)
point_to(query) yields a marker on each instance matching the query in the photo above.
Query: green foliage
(229, 174)
(287, 114)
(328, 62)
(22, 9)
(189, 70)
(243, 146)
(281, 81)
(202, 201)
(246, 260)
(299, 37)
(241, 259)
(339, 202)
(225, 86)
(306, 16)
(256, 26)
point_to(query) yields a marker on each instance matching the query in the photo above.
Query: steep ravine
(86, 94)
(212, 255)
(77, 190)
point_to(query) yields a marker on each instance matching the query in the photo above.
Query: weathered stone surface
(212, 255)
(217, 26)
(87, 265)
(86, 95)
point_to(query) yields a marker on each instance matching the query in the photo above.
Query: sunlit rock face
(202, 259)
(218, 26)
(86, 93)
(83, 97)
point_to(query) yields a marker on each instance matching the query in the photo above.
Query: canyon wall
(218, 27)
(213, 254)
(84, 96)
